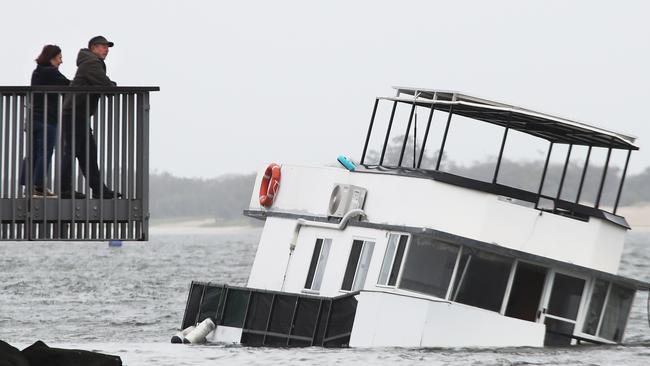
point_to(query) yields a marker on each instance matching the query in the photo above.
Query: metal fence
(96, 186)
(273, 318)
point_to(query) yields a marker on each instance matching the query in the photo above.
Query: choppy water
(128, 301)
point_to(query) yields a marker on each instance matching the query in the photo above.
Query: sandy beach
(196, 226)
(637, 216)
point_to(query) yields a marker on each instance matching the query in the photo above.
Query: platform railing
(101, 131)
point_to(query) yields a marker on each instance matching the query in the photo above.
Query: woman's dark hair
(48, 53)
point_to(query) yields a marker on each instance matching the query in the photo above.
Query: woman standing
(45, 119)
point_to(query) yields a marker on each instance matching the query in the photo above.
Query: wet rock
(11, 356)
(39, 354)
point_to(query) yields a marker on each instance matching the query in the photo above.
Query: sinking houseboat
(400, 251)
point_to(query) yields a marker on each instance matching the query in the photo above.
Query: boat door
(560, 306)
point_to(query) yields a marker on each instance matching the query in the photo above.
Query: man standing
(78, 139)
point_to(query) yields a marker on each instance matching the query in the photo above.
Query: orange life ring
(270, 185)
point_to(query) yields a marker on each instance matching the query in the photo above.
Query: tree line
(225, 198)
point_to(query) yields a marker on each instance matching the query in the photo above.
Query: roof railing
(553, 129)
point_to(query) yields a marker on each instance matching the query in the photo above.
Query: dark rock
(39, 354)
(11, 356)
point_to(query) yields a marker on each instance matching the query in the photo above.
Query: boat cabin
(425, 253)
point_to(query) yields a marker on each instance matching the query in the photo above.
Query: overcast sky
(245, 83)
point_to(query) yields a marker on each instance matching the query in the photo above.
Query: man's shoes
(40, 192)
(107, 194)
(68, 195)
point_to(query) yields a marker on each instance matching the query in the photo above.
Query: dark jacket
(91, 71)
(47, 75)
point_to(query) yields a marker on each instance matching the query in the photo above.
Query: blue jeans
(39, 155)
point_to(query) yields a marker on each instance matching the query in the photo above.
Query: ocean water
(129, 301)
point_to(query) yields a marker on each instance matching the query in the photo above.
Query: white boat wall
(397, 255)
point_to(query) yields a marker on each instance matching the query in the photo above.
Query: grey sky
(246, 83)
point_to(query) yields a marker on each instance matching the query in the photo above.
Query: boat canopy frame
(555, 130)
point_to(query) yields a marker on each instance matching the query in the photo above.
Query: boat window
(482, 279)
(565, 296)
(617, 310)
(526, 291)
(392, 259)
(358, 263)
(318, 263)
(595, 307)
(558, 332)
(428, 266)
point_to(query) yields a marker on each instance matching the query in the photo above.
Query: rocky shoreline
(40, 354)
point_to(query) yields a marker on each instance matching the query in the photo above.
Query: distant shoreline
(198, 226)
(638, 216)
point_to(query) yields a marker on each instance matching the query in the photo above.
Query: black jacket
(47, 75)
(91, 71)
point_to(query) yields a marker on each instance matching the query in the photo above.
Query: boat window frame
(627, 318)
(592, 285)
(452, 290)
(548, 292)
(311, 289)
(597, 337)
(454, 273)
(398, 283)
(364, 240)
(399, 272)
(511, 280)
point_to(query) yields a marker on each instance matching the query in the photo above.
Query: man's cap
(100, 40)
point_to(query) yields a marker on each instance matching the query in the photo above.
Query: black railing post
(117, 105)
(390, 125)
(602, 180)
(620, 186)
(43, 167)
(372, 121)
(426, 135)
(15, 170)
(541, 182)
(584, 174)
(28, 172)
(58, 146)
(72, 171)
(564, 169)
(503, 144)
(142, 180)
(131, 165)
(293, 320)
(444, 137)
(406, 136)
(124, 172)
(87, 174)
(24, 116)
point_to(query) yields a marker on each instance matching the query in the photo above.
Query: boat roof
(542, 125)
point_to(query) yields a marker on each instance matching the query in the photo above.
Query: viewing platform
(117, 119)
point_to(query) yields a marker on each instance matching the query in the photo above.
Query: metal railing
(577, 208)
(98, 176)
(273, 318)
